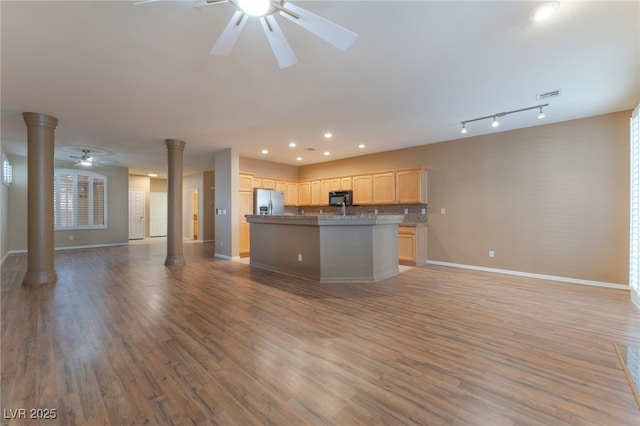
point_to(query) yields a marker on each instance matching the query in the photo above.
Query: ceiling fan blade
(191, 3)
(281, 49)
(330, 32)
(230, 35)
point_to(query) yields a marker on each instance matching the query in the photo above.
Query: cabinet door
(362, 193)
(257, 182)
(324, 192)
(406, 245)
(315, 193)
(246, 207)
(268, 183)
(346, 183)
(411, 186)
(334, 184)
(384, 188)
(292, 194)
(246, 182)
(304, 194)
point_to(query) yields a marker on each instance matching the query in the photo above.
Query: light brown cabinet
(384, 188)
(291, 195)
(346, 183)
(412, 245)
(246, 207)
(268, 183)
(304, 193)
(246, 182)
(316, 200)
(411, 186)
(362, 190)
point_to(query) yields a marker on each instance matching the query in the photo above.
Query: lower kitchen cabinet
(412, 244)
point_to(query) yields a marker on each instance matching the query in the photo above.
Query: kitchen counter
(326, 248)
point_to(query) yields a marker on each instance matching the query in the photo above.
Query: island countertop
(326, 219)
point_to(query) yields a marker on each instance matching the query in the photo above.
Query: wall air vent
(548, 95)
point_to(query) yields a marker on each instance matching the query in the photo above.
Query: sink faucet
(344, 208)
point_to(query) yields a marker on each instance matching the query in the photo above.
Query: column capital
(38, 119)
(175, 143)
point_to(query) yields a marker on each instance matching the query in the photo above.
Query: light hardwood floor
(122, 339)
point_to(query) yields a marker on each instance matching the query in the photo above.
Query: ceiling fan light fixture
(254, 7)
(544, 11)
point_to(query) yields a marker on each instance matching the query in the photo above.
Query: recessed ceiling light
(265, 151)
(152, 175)
(327, 153)
(298, 158)
(292, 144)
(543, 11)
(328, 135)
(361, 146)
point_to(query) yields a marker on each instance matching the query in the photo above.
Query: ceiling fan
(265, 10)
(85, 160)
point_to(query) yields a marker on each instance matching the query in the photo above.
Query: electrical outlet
(299, 257)
(443, 211)
(423, 211)
(375, 211)
(406, 211)
(492, 253)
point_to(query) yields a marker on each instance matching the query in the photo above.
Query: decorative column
(40, 203)
(175, 148)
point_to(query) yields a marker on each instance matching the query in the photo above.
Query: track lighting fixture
(502, 114)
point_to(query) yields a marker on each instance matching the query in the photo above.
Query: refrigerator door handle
(270, 207)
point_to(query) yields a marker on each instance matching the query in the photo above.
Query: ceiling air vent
(552, 94)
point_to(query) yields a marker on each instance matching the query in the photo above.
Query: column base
(174, 261)
(40, 277)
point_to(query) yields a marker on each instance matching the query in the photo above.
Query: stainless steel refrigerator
(268, 201)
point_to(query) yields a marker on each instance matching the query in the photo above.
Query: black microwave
(336, 198)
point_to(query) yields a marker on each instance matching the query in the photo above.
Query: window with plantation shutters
(634, 232)
(80, 200)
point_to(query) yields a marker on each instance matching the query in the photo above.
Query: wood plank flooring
(123, 340)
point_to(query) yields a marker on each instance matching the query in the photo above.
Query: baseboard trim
(22, 251)
(531, 275)
(223, 256)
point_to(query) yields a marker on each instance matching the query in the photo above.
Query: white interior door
(158, 214)
(136, 214)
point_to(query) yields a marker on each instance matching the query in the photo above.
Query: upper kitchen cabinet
(246, 182)
(362, 190)
(268, 183)
(316, 193)
(346, 183)
(411, 186)
(384, 188)
(304, 193)
(291, 195)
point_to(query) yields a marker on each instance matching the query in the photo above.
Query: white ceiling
(122, 78)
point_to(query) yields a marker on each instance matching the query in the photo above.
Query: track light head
(464, 129)
(541, 113)
(495, 122)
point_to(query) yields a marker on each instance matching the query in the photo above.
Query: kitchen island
(326, 248)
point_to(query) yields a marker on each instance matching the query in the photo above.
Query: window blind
(80, 200)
